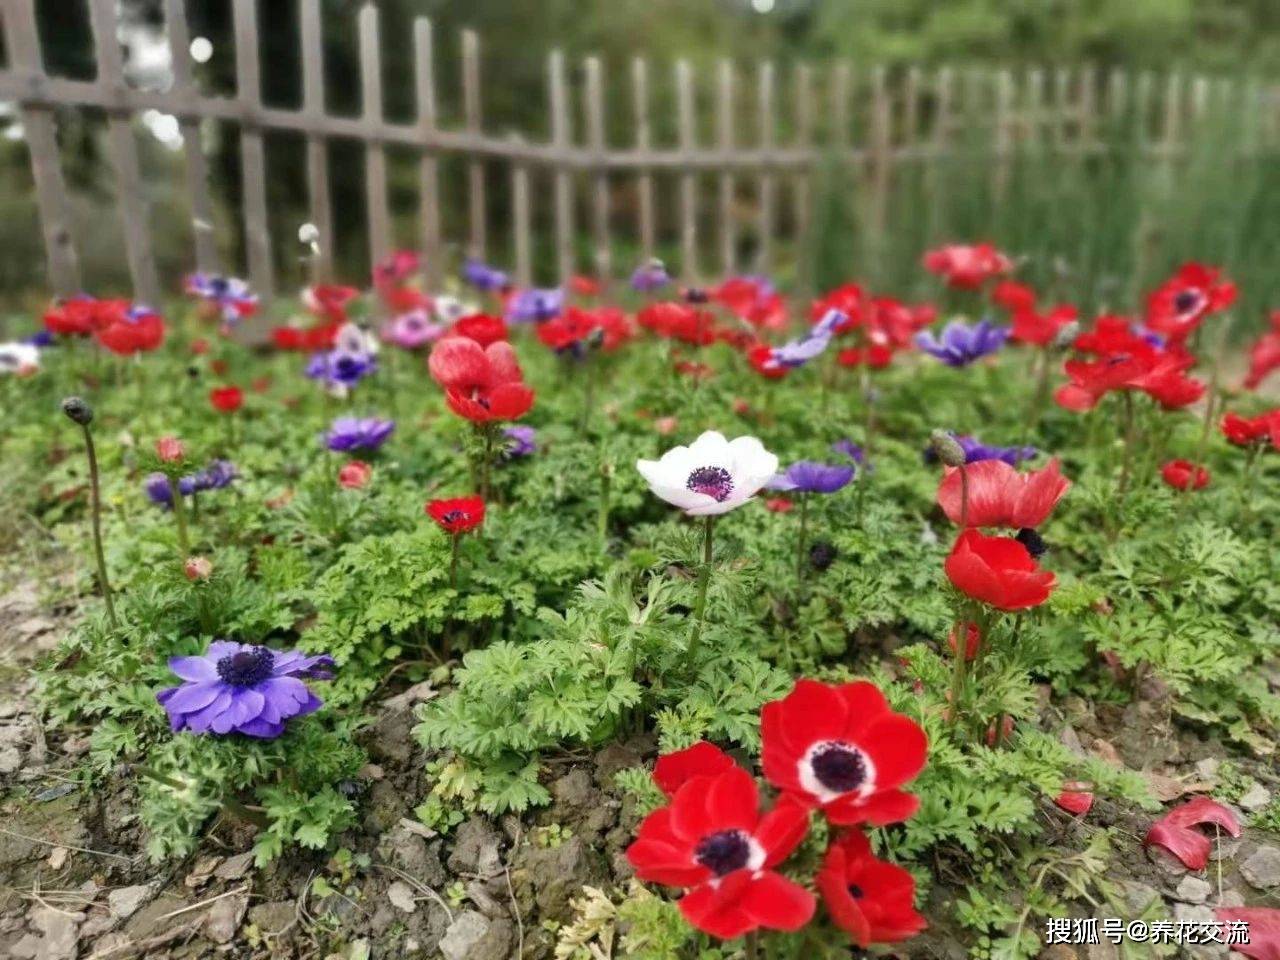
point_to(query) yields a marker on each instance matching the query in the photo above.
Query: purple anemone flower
(535, 305)
(341, 368)
(230, 295)
(961, 344)
(975, 450)
(215, 476)
(520, 441)
(650, 276)
(484, 277)
(798, 352)
(809, 476)
(41, 339)
(358, 433)
(242, 688)
(849, 449)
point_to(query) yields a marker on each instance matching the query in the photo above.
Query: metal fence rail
(911, 116)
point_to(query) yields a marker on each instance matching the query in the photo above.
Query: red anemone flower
(459, 515)
(1179, 304)
(584, 286)
(967, 267)
(310, 340)
(850, 299)
(998, 571)
(1013, 296)
(1264, 355)
(869, 898)
(481, 384)
(877, 356)
(1127, 361)
(679, 321)
(73, 317)
(1184, 475)
(1247, 431)
(712, 838)
(480, 327)
(1041, 329)
(132, 330)
(843, 749)
(573, 329)
(703, 759)
(226, 399)
(328, 301)
(762, 362)
(1000, 496)
(752, 301)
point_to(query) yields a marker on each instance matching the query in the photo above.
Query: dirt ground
(75, 884)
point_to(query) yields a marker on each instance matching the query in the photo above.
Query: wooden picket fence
(907, 116)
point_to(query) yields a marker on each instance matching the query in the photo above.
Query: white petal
(661, 473)
(711, 449)
(682, 497)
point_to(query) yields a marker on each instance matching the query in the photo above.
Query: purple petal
(195, 669)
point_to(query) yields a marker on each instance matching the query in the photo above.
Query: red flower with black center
(998, 571)
(1000, 496)
(1127, 361)
(459, 515)
(127, 330)
(844, 750)
(226, 399)
(480, 327)
(871, 899)
(1182, 302)
(481, 384)
(713, 839)
(1247, 431)
(1184, 475)
(967, 266)
(573, 329)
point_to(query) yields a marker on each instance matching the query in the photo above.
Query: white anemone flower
(22, 359)
(712, 475)
(451, 309)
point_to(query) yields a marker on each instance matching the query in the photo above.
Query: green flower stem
(602, 515)
(453, 563)
(230, 803)
(95, 514)
(704, 578)
(804, 529)
(180, 517)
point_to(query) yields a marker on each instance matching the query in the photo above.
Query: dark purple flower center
(713, 481)
(1033, 542)
(1186, 300)
(453, 516)
(723, 852)
(839, 767)
(855, 891)
(247, 668)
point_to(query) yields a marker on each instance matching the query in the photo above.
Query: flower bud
(78, 409)
(947, 448)
(198, 568)
(1066, 335)
(355, 475)
(170, 450)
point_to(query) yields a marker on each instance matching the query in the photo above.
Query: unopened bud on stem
(947, 448)
(78, 409)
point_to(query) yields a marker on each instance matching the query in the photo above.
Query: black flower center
(839, 767)
(1033, 542)
(855, 891)
(822, 555)
(453, 516)
(247, 668)
(715, 482)
(1186, 300)
(347, 366)
(723, 852)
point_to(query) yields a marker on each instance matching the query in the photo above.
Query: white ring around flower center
(811, 784)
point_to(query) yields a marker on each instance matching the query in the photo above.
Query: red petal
(773, 901)
(898, 747)
(1075, 801)
(457, 363)
(1174, 830)
(701, 759)
(1264, 930)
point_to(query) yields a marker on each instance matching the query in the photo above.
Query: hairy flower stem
(1247, 478)
(180, 518)
(230, 803)
(704, 578)
(1040, 397)
(588, 394)
(602, 514)
(1130, 437)
(453, 563)
(753, 945)
(804, 528)
(95, 514)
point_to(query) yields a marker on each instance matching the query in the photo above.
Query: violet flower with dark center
(484, 277)
(809, 476)
(358, 433)
(340, 368)
(975, 450)
(521, 441)
(961, 344)
(535, 305)
(242, 688)
(650, 276)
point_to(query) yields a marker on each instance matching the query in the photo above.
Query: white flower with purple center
(450, 309)
(19, 358)
(712, 475)
(242, 688)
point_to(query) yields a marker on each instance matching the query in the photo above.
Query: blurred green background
(1099, 228)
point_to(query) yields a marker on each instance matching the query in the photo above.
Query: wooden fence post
(123, 150)
(428, 166)
(475, 168)
(40, 131)
(767, 185)
(801, 182)
(253, 160)
(644, 182)
(724, 139)
(313, 106)
(688, 181)
(195, 167)
(375, 155)
(560, 138)
(520, 230)
(599, 176)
